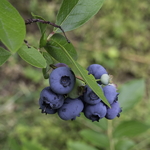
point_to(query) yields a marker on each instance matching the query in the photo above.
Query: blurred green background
(118, 37)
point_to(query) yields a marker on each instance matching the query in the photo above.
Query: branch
(29, 21)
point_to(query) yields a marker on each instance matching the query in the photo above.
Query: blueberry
(90, 97)
(46, 108)
(114, 111)
(95, 112)
(110, 93)
(50, 100)
(96, 70)
(62, 80)
(70, 109)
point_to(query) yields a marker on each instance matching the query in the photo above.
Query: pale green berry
(105, 79)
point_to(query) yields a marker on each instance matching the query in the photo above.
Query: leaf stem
(50, 35)
(110, 136)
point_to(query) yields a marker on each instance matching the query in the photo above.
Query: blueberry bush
(73, 94)
(55, 45)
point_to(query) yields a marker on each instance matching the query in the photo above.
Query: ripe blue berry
(95, 112)
(46, 108)
(114, 111)
(110, 93)
(49, 99)
(90, 97)
(62, 80)
(70, 109)
(96, 70)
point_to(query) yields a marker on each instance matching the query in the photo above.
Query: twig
(29, 21)
(26, 42)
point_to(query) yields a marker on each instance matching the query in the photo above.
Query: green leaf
(56, 48)
(45, 72)
(48, 58)
(32, 56)
(124, 144)
(97, 139)
(12, 26)
(75, 145)
(48, 61)
(43, 40)
(130, 129)
(65, 53)
(75, 13)
(131, 93)
(4, 55)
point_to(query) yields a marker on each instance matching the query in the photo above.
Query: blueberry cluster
(69, 97)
